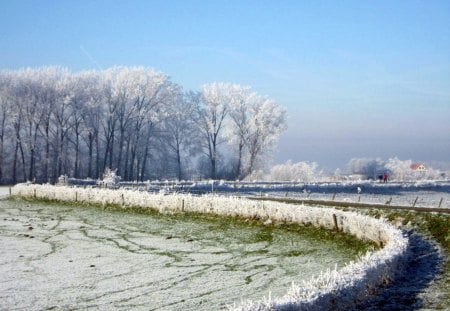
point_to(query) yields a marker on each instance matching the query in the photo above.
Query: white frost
(334, 289)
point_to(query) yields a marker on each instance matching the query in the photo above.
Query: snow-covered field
(350, 283)
(4, 191)
(84, 258)
(433, 194)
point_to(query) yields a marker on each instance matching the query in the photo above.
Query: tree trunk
(47, 151)
(90, 147)
(119, 159)
(213, 168)
(77, 138)
(105, 159)
(1, 158)
(14, 179)
(179, 172)
(133, 158)
(144, 162)
(60, 153)
(22, 154)
(253, 155)
(32, 172)
(24, 169)
(97, 157)
(214, 158)
(239, 164)
(2, 137)
(127, 152)
(111, 153)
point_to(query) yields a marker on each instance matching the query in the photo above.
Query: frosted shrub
(333, 289)
(301, 171)
(110, 178)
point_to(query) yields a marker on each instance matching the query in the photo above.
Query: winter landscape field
(431, 194)
(114, 257)
(67, 257)
(225, 155)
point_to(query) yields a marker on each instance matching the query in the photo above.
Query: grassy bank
(436, 227)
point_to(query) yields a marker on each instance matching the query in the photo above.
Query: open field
(62, 256)
(435, 194)
(411, 194)
(420, 288)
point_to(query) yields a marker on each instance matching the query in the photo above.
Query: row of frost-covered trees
(134, 120)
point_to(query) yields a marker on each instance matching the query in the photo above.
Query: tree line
(133, 120)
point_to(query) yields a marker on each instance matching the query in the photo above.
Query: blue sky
(358, 78)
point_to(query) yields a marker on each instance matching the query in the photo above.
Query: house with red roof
(418, 167)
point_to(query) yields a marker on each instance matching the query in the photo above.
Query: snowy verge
(337, 289)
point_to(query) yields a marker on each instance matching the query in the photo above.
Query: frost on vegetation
(300, 172)
(398, 170)
(110, 178)
(332, 289)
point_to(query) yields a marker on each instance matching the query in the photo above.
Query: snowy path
(411, 290)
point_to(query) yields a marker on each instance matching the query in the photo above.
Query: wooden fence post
(335, 222)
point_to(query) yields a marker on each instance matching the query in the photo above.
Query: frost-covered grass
(146, 260)
(434, 228)
(333, 289)
(426, 193)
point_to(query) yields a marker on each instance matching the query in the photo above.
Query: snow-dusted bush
(300, 171)
(110, 178)
(400, 170)
(331, 290)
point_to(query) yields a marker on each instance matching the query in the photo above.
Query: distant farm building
(418, 167)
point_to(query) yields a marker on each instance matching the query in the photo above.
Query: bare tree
(150, 92)
(17, 120)
(267, 123)
(212, 112)
(92, 116)
(55, 122)
(238, 129)
(179, 130)
(7, 100)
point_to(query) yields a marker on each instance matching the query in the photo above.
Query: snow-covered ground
(420, 194)
(350, 283)
(4, 191)
(68, 257)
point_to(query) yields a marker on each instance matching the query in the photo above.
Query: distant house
(418, 167)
